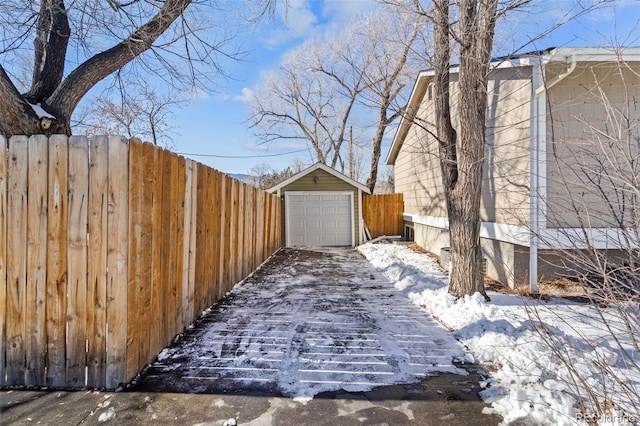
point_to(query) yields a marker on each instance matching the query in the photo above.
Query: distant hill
(240, 176)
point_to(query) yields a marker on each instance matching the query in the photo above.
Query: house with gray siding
(551, 143)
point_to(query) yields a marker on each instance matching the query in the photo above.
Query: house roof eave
(593, 54)
(415, 100)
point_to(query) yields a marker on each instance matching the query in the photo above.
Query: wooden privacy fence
(382, 214)
(108, 249)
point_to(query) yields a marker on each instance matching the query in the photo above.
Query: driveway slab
(308, 321)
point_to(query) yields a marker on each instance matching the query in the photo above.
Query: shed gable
(318, 180)
(328, 184)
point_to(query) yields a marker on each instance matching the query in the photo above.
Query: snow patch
(108, 415)
(303, 399)
(528, 383)
(40, 111)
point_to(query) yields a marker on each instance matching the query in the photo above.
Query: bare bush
(593, 207)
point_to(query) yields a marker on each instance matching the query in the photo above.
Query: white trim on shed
(323, 203)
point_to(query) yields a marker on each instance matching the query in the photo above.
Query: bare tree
(462, 151)
(140, 112)
(160, 38)
(311, 98)
(594, 180)
(263, 176)
(398, 50)
(357, 76)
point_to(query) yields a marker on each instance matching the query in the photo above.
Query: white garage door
(319, 219)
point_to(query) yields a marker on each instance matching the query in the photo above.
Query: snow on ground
(307, 322)
(527, 383)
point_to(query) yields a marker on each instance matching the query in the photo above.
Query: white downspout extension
(537, 138)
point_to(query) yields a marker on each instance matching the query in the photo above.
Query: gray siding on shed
(320, 180)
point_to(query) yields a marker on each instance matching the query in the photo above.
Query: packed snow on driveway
(527, 383)
(308, 321)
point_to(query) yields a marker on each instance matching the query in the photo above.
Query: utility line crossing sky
(216, 127)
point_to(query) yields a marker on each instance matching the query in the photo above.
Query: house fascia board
(564, 54)
(415, 100)
(313, 168)
(593, 54)
(419, 90)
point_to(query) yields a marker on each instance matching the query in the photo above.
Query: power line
(240, 156)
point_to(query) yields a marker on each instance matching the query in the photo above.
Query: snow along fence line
(109, 248)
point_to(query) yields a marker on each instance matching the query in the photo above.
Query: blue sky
(217, 124)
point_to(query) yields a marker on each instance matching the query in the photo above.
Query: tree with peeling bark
(163, 38)
(462, 151)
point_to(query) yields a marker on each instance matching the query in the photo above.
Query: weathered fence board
(115, 247)
(36, 260)
(189, 225)
(179, 191)
(117, 262)
(135, 281)
(16, 261)
(78, 193)
(155, 329)
(57, 262)
(146, 257)
(3, 252)
(224, 235)
(97, 262)
(240, 230)
(382, 214)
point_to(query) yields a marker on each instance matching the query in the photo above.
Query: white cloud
(297, 20)
(301, 19)
(340, 12)
(245, 96)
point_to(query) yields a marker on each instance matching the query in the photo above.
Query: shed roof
(327, 169)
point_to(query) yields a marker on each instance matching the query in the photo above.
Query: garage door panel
(313, 225)
(319, 219)
(312, 211)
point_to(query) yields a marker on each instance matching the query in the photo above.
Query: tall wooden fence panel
(382, 214)
(108, 249)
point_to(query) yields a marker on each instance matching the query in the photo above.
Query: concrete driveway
(313, 337)
(307, 322)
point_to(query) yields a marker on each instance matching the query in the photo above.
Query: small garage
(322, 207)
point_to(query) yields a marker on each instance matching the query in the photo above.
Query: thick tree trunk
(16, 115)
(50, 50)
(462, 166)
(60, 97)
